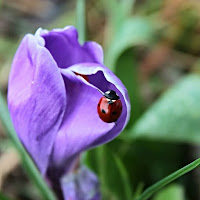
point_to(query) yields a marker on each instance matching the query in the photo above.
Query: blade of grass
(124, 177)
(157, 186)
(80, 24)
(26, 160)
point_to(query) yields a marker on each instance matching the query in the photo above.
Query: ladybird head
(111, 94)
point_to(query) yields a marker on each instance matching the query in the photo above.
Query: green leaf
(162, 183)
(138, 190)
(173, 191)
(175, 116)
(118, 12)
(112, 173)
(115, 13)
(134, 31)
(80, 11)
(127, 71)
(128, 6)
(26, 160)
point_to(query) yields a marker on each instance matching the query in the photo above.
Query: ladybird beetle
(109, 107)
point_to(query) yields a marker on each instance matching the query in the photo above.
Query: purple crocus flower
(53, 106)
(82, 185)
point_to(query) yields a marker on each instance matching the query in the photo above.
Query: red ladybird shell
(109, 112)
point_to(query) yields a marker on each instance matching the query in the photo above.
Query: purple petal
(104, 79)
(56, 115)
(81, 124)
(81, 185)
(95, 50)
(64, 46)
(82, 128)
(36, 98)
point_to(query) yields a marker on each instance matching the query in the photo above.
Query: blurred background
(153, 46)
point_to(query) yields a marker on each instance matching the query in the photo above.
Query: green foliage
(175, 116)
(118, 11)
(162, 183)
(114, 178)
(7, 48)
(173, 191)
(80, 13)
(133, 31)
(3, 197)
(127, 71)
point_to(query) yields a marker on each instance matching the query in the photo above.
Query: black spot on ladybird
(114, 113)
(103, 111)
(99, 104)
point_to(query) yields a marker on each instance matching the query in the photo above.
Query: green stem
(154, 188)
(80, 12)
(26, 160)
